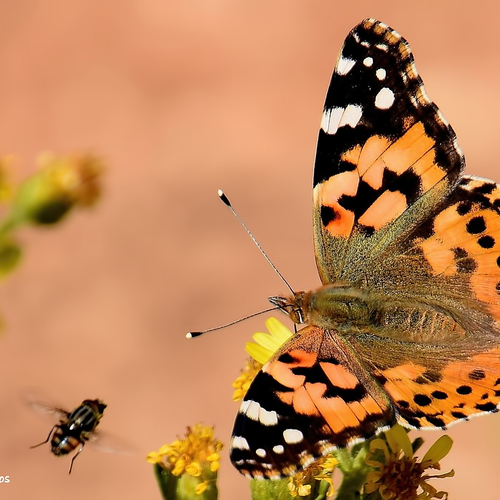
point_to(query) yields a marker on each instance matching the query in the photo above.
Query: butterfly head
(292, 306)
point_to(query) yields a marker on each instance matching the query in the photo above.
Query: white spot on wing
(239, 443)
(261, 452)
(293, 436)
(381, 73)
(278, 449)
(385, 98)
(368, 61)
(330, 120)
(344, 65)
(268, 417)
(244, 406)
(253, 411)
(351, 115)
(334, 118)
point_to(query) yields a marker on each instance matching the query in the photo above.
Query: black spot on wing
(490, 407)
(361, 201)
(486, 242)
(476, 225)
(316, 375)
(422, 400)
(439, 395)
(407, 183)
(328, 214)
(436, 421)
(485, 188)
(464, 207)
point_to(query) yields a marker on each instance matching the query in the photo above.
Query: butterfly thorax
(353, 309)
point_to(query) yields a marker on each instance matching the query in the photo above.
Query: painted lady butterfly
(406, 327)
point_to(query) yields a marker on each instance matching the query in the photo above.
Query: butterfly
(406, 325)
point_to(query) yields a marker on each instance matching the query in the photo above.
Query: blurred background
(180, 99)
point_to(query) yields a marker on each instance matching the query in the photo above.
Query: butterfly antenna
(226, 201)
(192, 335)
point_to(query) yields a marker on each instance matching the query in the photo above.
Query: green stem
(166, 482)
(354, 472)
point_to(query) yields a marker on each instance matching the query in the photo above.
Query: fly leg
(74, 456)
(46, 441)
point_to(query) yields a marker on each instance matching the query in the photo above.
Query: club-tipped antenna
(192, 335)
(226, 202)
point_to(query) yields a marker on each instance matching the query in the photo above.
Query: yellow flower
(400, 475)
(196, 456)
(268, 343)
(301, 483)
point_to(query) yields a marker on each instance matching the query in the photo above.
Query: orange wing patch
(375, 163)
(327, 194)
(438, 399)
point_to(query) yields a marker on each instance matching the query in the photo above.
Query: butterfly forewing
(311, 398)
(385, 156)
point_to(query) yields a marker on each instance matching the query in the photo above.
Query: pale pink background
(182, 98)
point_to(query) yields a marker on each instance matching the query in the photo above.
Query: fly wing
(40, 404)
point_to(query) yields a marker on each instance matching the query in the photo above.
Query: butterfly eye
(297, 316)
(292, 307)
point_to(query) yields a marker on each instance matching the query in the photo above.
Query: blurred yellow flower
(7, 165)
(60, 184)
